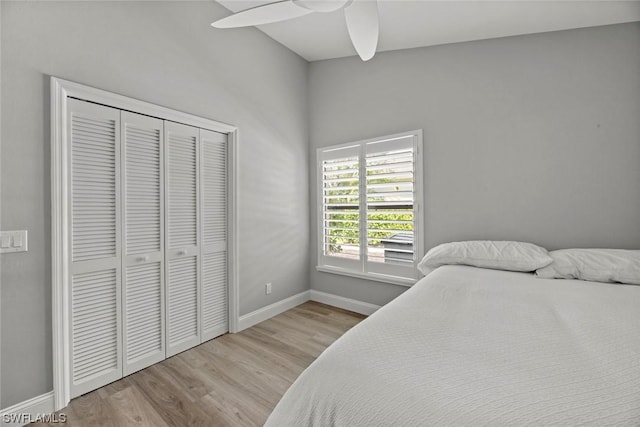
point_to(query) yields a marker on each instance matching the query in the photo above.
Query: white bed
(467, 346)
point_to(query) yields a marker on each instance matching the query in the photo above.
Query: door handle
(182, 252)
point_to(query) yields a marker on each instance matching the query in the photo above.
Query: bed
(468, 346)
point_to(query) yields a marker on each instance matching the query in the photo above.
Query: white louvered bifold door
(143, 235)
(94, 243)
(214, 278)
(183, 237)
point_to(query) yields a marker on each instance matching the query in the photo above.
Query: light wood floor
(236, 379)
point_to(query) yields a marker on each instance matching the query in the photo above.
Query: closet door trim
(61, 91)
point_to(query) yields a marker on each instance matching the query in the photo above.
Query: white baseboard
(264, 313)
(344, 303)
(29, 410)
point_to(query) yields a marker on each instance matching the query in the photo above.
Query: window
(369, 195)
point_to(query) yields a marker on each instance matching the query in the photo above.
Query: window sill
(392, 280)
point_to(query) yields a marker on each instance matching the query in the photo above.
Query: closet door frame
(61, 91)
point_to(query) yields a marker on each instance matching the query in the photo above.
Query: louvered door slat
(93, 181)
(143, 201)
(214, 295)
(182, 187)
(183, 303)
(214, 187)
(144, 314)
(183, 242)
(94, 236)
(143, 281)
(213, 172)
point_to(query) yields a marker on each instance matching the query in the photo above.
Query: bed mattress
(468, 346)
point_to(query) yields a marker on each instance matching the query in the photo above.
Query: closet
(147, 240)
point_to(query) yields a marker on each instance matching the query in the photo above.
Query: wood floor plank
(92, 409)
(133, 409)
(260, 365)
(233, 380)
(171, 403)
(176, 371)
(282, 349)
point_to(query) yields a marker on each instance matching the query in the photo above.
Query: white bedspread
(473, 347)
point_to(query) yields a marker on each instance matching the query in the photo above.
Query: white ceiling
(415, 23)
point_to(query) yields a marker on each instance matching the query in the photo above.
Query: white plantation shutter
(369, 200)
(143, 232)
(390, 195)
(94, 188)
(341, 210)
(183, 251)
(213, 167)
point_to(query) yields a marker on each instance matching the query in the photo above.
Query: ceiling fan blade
(362, 22)
(265, 14)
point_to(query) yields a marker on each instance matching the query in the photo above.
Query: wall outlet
(267, 288)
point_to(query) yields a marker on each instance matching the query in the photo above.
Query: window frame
(359, 268)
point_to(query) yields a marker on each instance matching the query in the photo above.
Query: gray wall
(165, 53)
(533, 138)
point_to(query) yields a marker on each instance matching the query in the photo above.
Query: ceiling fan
(361, 17)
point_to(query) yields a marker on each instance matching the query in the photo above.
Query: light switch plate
(13, 241)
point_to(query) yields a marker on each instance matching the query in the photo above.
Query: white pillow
(596, 265)
(499, 255)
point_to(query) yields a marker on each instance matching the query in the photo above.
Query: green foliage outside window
(337, 238)
(346, 192)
